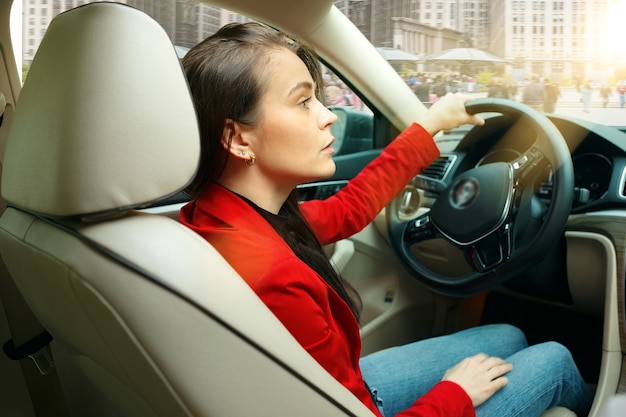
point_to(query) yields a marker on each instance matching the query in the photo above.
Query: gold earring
(250, 162)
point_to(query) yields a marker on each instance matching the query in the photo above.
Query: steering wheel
(491, 212)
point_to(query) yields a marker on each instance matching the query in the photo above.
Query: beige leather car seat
(147, 319)
(140, 307)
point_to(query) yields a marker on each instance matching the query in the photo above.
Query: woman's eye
(305, 103)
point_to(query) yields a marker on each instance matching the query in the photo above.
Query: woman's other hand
(480, 376)
(447, 113)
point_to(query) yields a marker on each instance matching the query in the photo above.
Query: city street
(611, 116)
(569, 104)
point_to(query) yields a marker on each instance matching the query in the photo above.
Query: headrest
(105, 121)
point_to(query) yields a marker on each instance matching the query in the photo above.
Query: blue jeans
(543, 375)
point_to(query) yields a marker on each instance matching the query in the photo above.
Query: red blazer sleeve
(355, 206)
(445, 399)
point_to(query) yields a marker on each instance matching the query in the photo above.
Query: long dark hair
(227, 80)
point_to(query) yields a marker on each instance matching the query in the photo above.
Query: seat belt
(30, 340)
(30, 346)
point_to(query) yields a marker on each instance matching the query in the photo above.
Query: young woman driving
(265, 131)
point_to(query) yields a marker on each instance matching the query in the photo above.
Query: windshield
(560, 57)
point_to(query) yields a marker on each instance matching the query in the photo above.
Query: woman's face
(292, 141)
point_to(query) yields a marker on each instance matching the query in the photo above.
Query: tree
(25, 68)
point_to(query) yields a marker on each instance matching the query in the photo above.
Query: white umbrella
(463, 56)
(393, 54)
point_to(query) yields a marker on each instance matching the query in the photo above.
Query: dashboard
(598, 156)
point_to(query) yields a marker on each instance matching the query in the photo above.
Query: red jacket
(312, 311)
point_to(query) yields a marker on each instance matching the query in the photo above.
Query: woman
(264, 131)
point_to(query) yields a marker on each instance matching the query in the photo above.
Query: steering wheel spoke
(419, 230)
(492, 251)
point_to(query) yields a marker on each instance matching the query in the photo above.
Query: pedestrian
(585, 95)
(552, 95)
(513, 89)
(498, 89)
(534, 94)
(333, 95)
(439, 90)
(265, 133)
(605, 92)
(621, 94)
(422, 91)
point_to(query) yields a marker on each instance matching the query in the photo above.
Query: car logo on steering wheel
(464, 193)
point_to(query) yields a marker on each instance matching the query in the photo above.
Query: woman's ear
(233, 140)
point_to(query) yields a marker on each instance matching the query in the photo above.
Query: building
(227, 16)
(469, 17)
(400, 24)
(421, 27)
(411, 36)
(359, 12)
(185, 21)
(556, 39)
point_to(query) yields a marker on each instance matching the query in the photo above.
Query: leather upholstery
(105, 124)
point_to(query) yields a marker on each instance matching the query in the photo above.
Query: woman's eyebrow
(301, 84)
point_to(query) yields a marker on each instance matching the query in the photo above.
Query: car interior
(113, 308)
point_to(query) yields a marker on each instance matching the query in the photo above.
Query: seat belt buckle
(36, 348)
(43, 360)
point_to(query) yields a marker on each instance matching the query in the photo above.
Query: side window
(354, 129)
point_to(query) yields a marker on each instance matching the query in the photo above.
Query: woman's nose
(327, 118)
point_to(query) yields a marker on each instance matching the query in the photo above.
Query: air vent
(439, 169)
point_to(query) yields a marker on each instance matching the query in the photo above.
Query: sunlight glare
(616, 30)
(16, 34)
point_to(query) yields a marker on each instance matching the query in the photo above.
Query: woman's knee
(555, 349)
(513, 333)
(552, 358)
(509, 334)
(554, 352)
